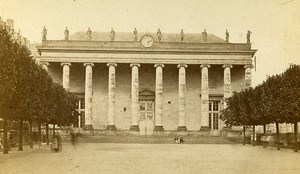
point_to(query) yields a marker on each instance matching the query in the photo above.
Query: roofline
(144, 51)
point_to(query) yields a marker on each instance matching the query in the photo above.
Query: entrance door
(146, 121)
(214, 121)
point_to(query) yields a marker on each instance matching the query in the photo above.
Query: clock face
(147, 41)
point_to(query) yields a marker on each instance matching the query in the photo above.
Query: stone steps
(152, 139)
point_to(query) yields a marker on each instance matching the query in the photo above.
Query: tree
(291, 102)
(8, 80)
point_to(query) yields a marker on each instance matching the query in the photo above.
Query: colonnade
(158, 93)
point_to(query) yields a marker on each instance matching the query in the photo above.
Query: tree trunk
(244, 137)
(47, 133)
(277, 136)
(21, 134)
(53, 131)
(265, 141)
(30, 134)
(40, 133)
(253, 137)
(5, 143)
(296, 136)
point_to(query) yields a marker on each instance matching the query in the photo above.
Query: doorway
(146, 120)
(214, 117)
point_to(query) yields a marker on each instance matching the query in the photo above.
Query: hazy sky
(275, 24)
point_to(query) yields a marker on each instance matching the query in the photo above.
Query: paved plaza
(151, 158)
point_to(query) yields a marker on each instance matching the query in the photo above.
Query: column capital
(248, 66)
(88, 64)
(159, 65)
(227, 65)
(111, 64)
(182, 65)
(44, 63)
(135, 64)
(205, 65)
(65, 63)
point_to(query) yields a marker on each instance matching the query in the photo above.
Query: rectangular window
(215, 106)
(82, 119)
(209, 121)
(82, 103)
(214, 114)
(216, 121)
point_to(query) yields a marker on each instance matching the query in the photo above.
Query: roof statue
(248, 36)
(112, 34)
(204, 35)
(89, 34)
(135, 34)
(159, 35)
(181, 35)
(12, 31)
(8, 29)
(227, 36)
(66, 34)
(44, 33)
(18, 36)
(4, 25)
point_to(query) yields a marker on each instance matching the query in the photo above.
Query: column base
(87, 130)
(204, 131)
(227, 128)
(88, 127)
(181, 128)
(111, 127)
(134, 128)
(158, 128)
(204, 128)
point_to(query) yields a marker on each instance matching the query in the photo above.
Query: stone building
(149, 82)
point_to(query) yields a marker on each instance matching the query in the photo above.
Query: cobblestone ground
(121, 158)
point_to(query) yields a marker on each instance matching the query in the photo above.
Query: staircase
(152, 139)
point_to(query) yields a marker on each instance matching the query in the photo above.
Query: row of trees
(276, 100)
(28, 93)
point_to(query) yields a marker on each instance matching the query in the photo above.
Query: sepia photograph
(149, 86)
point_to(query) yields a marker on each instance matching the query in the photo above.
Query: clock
(147, 41)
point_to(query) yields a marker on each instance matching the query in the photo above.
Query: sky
(275, 24)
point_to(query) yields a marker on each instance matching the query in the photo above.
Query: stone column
(181, 98)
(111, 96)
(134, 97)
(204, 97)
(45, 66)
(248, 75)
(66, 75)
(227, 89)
(158, 97)
(88, 95)
(227, 82)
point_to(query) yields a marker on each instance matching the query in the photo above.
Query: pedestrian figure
(73, 138)
(55, 145)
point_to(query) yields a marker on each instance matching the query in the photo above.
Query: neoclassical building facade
(149, 82)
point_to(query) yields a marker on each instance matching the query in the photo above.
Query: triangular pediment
(147, 92)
